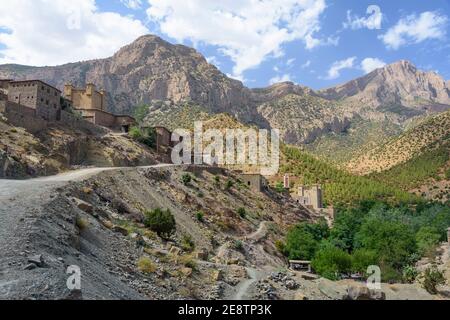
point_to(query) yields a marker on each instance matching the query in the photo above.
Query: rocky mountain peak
(399, 83)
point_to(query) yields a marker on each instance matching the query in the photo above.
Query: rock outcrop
(151, 70)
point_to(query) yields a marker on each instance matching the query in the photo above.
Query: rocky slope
(175, 79)
(101, 231)
(397, 85)
(429, 135)
(59, 148)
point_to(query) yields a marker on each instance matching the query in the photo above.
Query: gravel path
(21, 203)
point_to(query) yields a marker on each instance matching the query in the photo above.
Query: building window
(42, 100)
(46, 102)
(42, 87)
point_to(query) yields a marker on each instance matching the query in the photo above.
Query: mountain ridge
(151, 69)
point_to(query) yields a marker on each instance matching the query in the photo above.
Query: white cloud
(335, 70)
(415, 29)
(213, 60)
(247, 31)
(373, 21)
(51, 32)
(306, 64)
(370, 64)
(290, 62)
(132, 4)
(282, 78)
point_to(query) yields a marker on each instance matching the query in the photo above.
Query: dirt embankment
(96, 224)
(58, 148)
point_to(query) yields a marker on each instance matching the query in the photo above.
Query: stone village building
(92, 105)
(44, 99)
(33, 104)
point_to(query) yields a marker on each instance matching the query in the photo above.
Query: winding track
(17, 197)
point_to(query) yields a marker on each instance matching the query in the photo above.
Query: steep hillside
(399, 88)
(215, 252)
(340, 187)
(58, 148)
(430, 135)
(361, 136)
(303, 118)
(146, 70)
(175, 81)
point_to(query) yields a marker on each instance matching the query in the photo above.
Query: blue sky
(318, 43)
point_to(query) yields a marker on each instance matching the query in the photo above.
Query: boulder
(300, 296)
(238, 272)
(175, 251)
(187, 271)
(83, 205)
(202, 255)
(120, 230)
(332, 290)
(360, 291)
(37, 260)
(217, 275)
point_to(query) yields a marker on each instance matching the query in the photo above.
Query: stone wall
(77, 122)
(22, 116)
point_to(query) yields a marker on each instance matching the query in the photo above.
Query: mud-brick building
(43, 98)
(92, 105)
(255, 182)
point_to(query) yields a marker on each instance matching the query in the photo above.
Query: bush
(281, 247)
(146, 265)
(186, 179)
(238, 245)
(145, 136)
(410, 274)
(135, 133)
(432, 278)
(331, 262)
(187, 243)
(427, 239)
(189, 262)
(362, 259)
(229, 184)
(82, 223)
(200, 216)
(160, 221)
(242, 213)
(279, 187)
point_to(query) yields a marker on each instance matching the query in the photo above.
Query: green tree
(300, 244)
(427, 239)
(330, 262)
(140, 112)
(362, 258)
(160, 221)
(302, 240)
(393, 241)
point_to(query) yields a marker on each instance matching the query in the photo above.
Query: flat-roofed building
(38, 95)
(93, 107)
